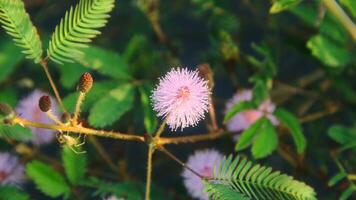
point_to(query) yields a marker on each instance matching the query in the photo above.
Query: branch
(194, 138)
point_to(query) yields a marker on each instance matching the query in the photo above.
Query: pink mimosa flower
(202, 162)
(28, 109)
(182, 97)
(244, 119)
(11, 171)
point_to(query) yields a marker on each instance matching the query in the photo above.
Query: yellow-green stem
(193, 138)
(77, 108)
(161, 129)
(151, 150)
(53, 117)
(340, 15)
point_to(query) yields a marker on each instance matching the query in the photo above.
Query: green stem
(340, 15)
(149, 172)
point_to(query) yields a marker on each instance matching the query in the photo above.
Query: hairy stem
(78, 129)
(77, 108)
(151, 150)
(193, 138)
(53, 118)
(340, 15)
(213, 116)
(44, 65)
(161, 129)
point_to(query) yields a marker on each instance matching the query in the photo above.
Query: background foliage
(290, 50)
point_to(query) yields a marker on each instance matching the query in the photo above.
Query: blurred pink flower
(11, 171)
(28, 109)
(182, 97)
(112, 197)
(244, 119)
(202, 162)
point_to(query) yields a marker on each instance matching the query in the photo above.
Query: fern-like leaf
(77, 28)
(17, 23)
(258, 182)
(223, 192)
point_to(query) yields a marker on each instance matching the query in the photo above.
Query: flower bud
(85, 82)
(5, 110)
(45, 103)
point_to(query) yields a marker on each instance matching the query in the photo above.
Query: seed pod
(5, 110)
(85, 82)
(45, 103)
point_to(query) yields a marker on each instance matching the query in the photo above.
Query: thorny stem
(77, 108)
(340, 15)
(193, 138)
(44, 65)
(78, 129)
(151, 150)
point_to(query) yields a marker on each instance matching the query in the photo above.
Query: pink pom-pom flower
(202, 162)
(182, 97)
(11, 171)
(245, 119)
(28, 108)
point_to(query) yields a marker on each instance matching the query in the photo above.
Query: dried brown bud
(85, 82)
(45, 103)
(5, 110)
(66, 117)
(206, 73)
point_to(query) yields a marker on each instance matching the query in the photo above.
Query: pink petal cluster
(202, 162)
(11, 171)
(28, 109)
(244, 119)
(182, 97)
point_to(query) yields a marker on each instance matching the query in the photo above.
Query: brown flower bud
(45, 103)
(85, 82)
(206, 73)
(5, 110)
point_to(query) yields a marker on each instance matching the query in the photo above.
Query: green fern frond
(259, 182)
(77, 28)
(17, 23)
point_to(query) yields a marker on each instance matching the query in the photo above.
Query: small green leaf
(280, 5)
(266, 141)
(12, 193)
(347, 193)
(74, 165)
(111, 107)
(351, 5)
(47, 179)
(328, 52)
(241, 106)
(150, 119)
(15, 132)
(247, 136)
(337, 178)
(99, 89)
(105, 62)
(260, 92)
(341, 134)
(291, 122)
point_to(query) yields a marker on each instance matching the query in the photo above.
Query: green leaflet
(112, 106)
(150, 119)
(47, 179)
(328, 51)
(222, 192)
(266, 141)
(292, 123)
(259, 182)
(78, 27)
(241, 106)
(12, 193)
(9, 59)
(17, 23)
(280, 5)
(105, 62)
(74, 165)
(247, 135)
